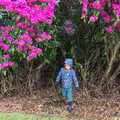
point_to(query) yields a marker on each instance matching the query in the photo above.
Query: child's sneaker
(70, 107)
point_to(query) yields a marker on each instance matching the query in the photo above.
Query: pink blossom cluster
(4, 46)
(33, 12)
(26, 38)
(7, 29)
(69, 27)
(26, 42)
(109, 29)
(93, 18)
(85, 4)
(45, 36)
(6, 65)
(96, 5)
(106, 17)
(99, 7)
(6, 56)
(116, 8)
(68, 22)
(22, 25)
(7, 37)
(33, 52)
(69, 30)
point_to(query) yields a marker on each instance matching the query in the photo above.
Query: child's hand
(77, 88)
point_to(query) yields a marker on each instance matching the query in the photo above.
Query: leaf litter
(46, 102)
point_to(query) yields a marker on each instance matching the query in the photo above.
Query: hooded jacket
(67, 77)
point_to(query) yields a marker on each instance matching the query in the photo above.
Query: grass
(18, 116)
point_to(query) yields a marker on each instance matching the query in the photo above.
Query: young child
(67, 75)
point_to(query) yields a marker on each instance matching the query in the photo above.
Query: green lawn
(18, 116)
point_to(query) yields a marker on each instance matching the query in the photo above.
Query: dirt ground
(46, 102)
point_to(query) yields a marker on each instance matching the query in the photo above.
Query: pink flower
(106, 17)
(38, 50)
(10, 39)
(10, 64)
(85, 5)
(33, 52)
(26, 38)
(4, 65)
(21, 42)
(22, 47)
(45, 36)
(31, 56)
(7, 36)
(31, 1)
(83, 15)
(31, 48)
(0, 10)
(48, 21)
(69, 30)
(93, 18)
(7, 64)
(9, 29)
(20, 25)
(38, 40)
(6, 56)
(109, 29)
(31, 31)
(103, 13)
(116, 8)
(1, 43)
(30, 11)
(69, 22)
(0, 66)
(96, 5)
(6, 47)
(104, 2)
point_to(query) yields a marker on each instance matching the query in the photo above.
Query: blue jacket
(67, 78)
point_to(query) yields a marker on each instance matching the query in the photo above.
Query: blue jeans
(67, 92)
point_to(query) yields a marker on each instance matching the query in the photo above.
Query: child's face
(67, 67)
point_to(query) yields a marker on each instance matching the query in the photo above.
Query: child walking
(67, 76)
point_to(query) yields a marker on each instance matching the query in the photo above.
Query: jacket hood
(69, 61)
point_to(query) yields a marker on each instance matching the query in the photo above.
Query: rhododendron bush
(105, 11)
(23, 37)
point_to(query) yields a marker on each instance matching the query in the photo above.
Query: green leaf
(47, 61)
(4, 72)
(1, 16)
